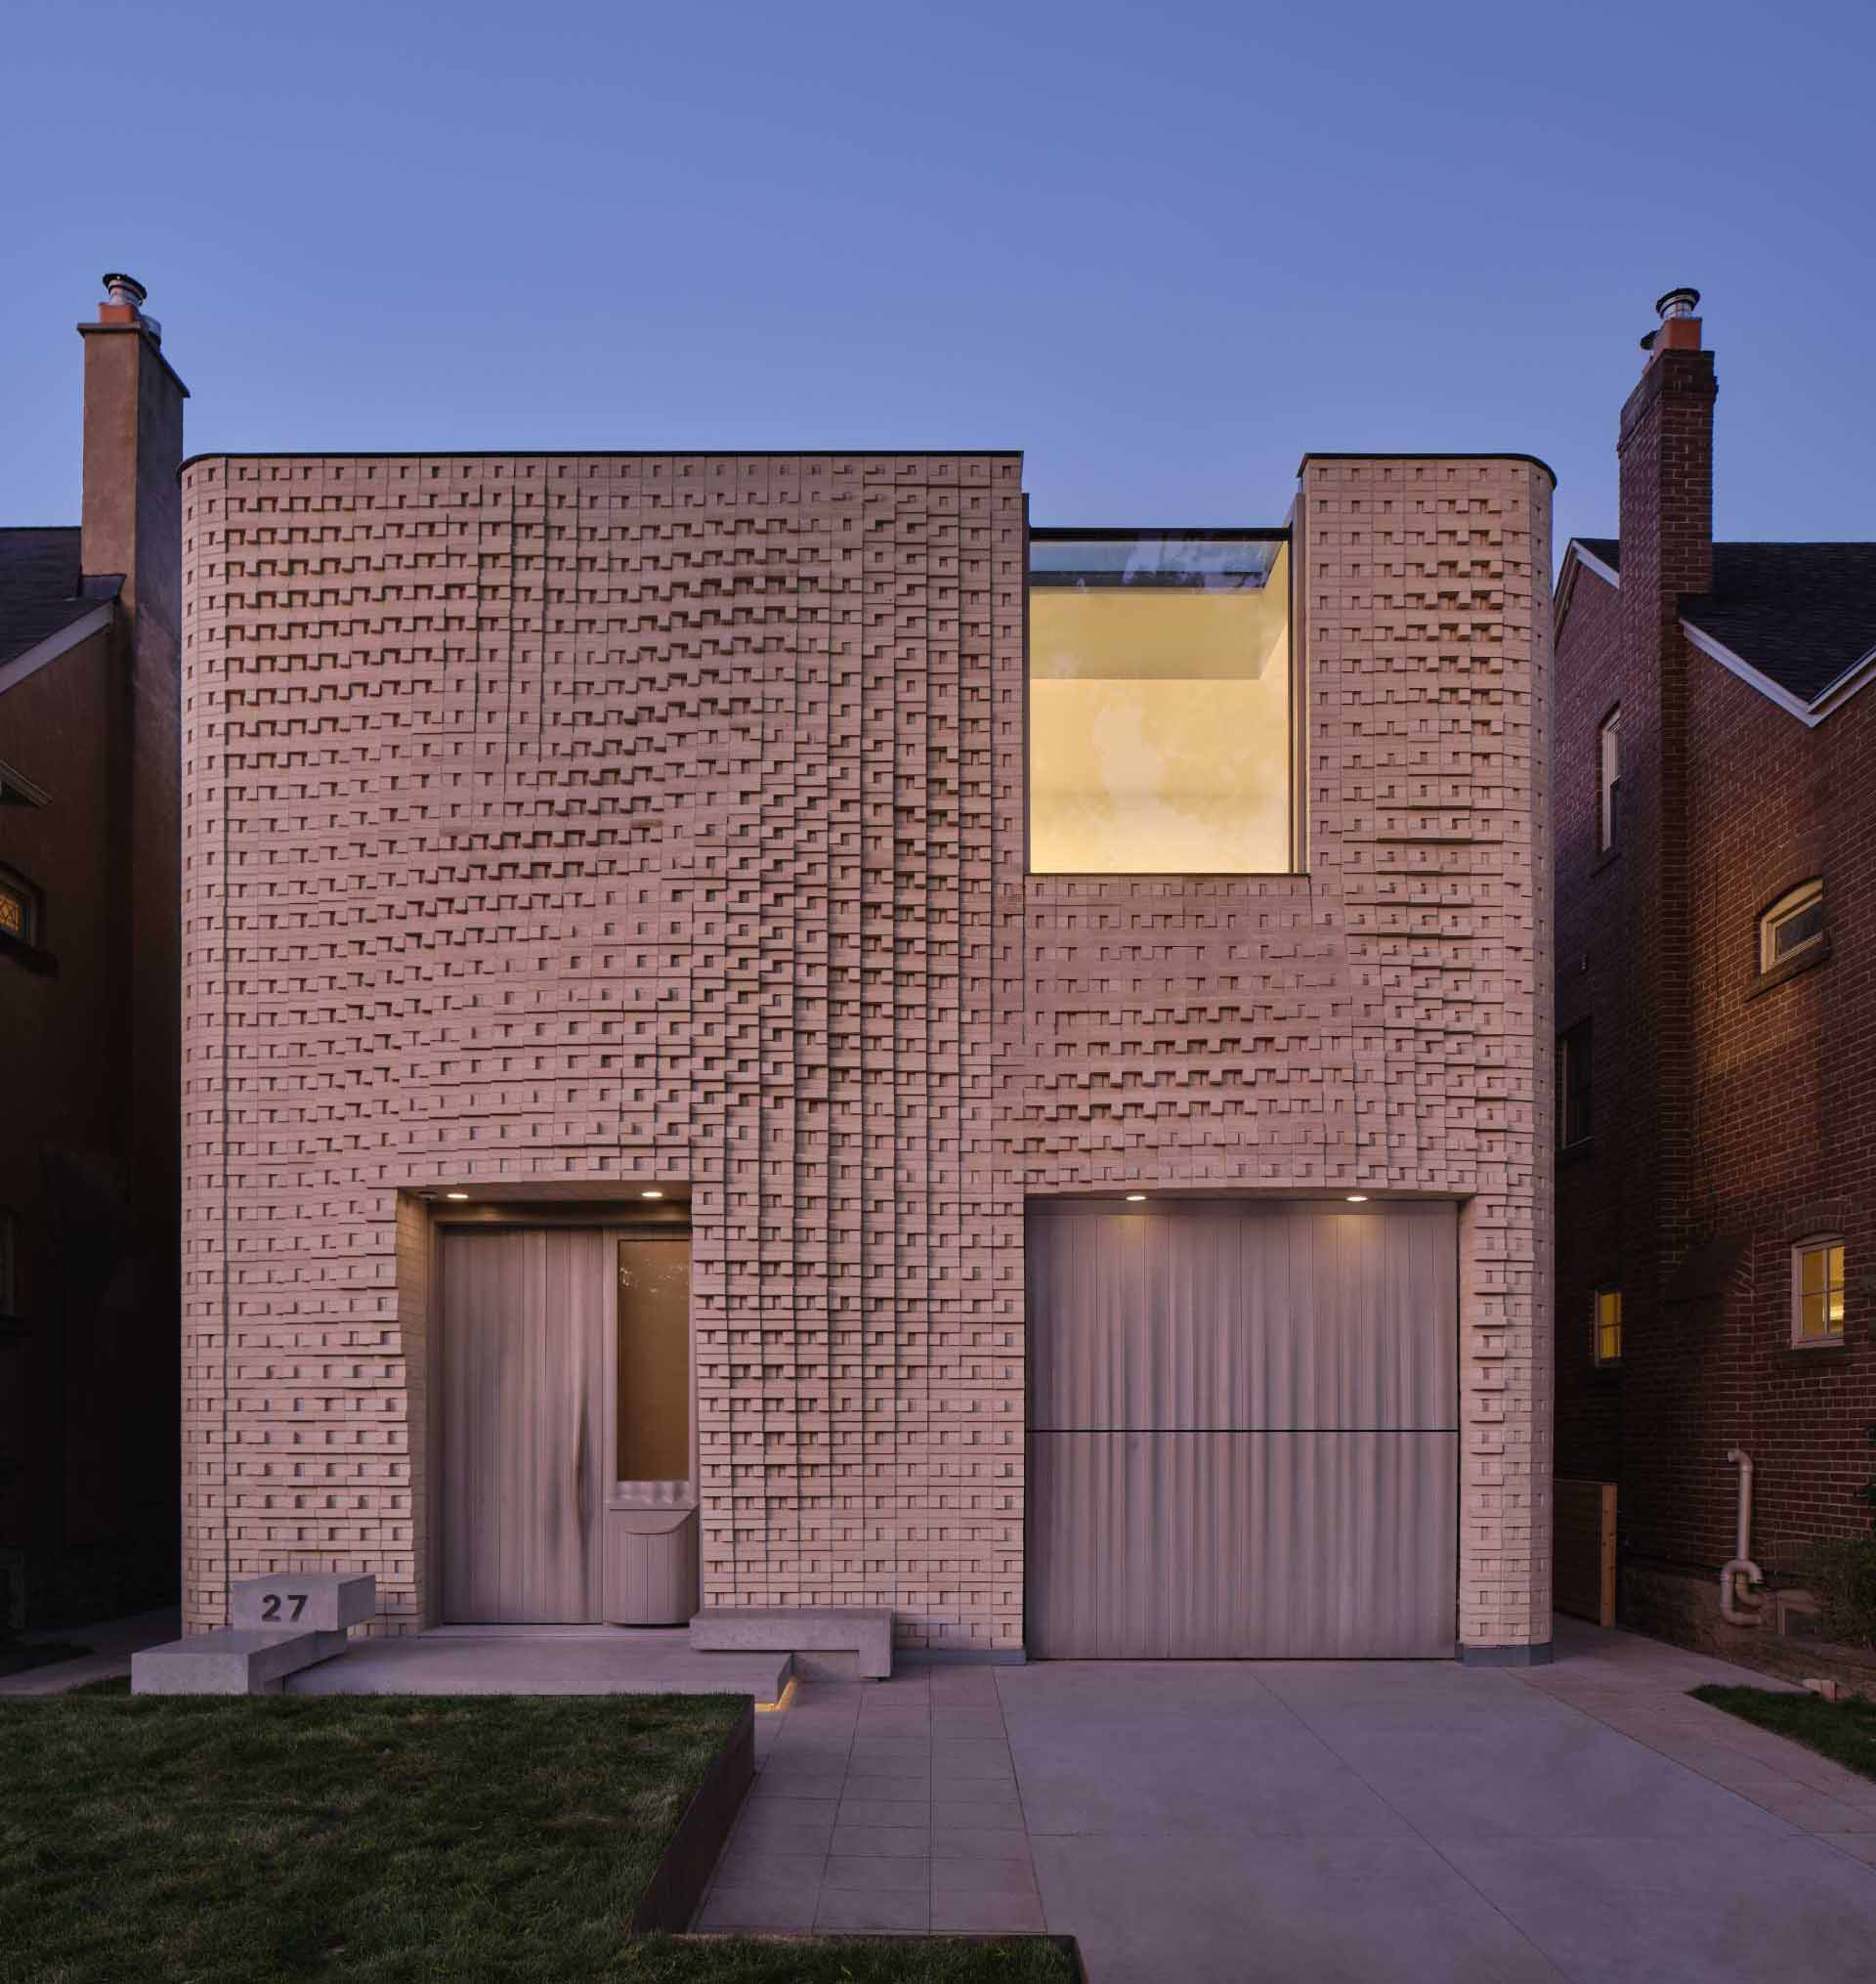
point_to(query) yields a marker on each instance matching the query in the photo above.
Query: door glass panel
(654, 1428)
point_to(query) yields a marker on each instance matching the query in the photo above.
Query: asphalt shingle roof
(1801, 613)
(40, 589)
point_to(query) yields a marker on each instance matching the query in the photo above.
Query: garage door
(1243, 1430)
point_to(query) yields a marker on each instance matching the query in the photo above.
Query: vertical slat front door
(523, 1317)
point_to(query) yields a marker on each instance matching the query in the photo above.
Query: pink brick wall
(575, 821)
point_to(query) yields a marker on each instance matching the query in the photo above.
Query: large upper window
(1159, 703)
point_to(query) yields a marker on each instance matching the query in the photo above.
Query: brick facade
(571, 822)
(1729, 1114)
(89, 1019)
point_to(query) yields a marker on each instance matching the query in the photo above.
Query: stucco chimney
(133, 505)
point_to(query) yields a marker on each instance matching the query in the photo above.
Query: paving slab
(1226, 1910)
(457, 1664)
(1684, 1911)
(1358, 1820)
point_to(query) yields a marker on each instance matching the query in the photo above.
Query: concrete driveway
(1301, 1820)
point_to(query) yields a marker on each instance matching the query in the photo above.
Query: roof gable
(1797, 621)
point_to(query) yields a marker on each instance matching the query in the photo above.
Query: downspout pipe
(1731, 1596)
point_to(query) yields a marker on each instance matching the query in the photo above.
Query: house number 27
(272, 1603)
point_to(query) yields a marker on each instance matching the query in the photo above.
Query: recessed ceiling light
(651, 1194)
(1357, 1198)
(1135, 1198)
(455, 1194)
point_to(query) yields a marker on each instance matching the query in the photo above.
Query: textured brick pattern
(1374, 1024)
(575, 821)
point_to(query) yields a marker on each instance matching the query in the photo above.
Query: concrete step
(458, 1662)
(232, 1661)
(865, 1631)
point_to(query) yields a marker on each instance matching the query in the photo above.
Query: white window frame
(1596, 1325)
(1794, 902)
(1832, 1339)
(1608, 775)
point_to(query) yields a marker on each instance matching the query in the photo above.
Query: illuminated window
(652, 1439)
(1608, 1325)
(1159, 703)
(18, 907)
(1817, 1291)
(1608, 777)
(1794, 921)
(1574, 1073)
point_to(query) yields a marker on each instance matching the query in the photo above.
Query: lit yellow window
(1817, 1293)
(1608, 1325)
(1159, 703)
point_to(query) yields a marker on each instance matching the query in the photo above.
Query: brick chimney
(131, 541)
(1665, 453)
(1666, 456)
(133, 502)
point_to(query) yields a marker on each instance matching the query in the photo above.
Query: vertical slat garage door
(1244, 1429)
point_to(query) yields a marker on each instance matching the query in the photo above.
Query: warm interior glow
(1159, 728)
(1821, 1291)
(653, 1430)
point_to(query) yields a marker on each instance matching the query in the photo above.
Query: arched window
(1795, 920)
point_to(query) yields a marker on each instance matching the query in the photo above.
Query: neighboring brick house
(90, 971)
(757, 1032)
(1715, 982)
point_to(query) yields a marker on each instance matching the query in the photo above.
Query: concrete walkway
(1359, 1821)
(111, 1641)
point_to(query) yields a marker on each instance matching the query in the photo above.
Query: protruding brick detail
(578, 820)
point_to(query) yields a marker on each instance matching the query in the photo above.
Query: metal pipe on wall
(1741, 1566)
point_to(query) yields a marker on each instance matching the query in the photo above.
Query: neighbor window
(1159, 703)
(1608, 1325)
(1574, 1073)
(1608, 780)
(18, 907)
(1817, 1291)
(1795, 920)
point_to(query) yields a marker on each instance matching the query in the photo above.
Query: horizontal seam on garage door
(1410, 1430)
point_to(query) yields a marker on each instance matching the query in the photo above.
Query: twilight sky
(1162, 248)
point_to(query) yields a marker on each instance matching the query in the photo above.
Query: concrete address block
(864, 1631)
(233, 1661)
(304, 1600)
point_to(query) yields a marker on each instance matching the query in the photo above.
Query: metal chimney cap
(121, 288)
(1676, 303)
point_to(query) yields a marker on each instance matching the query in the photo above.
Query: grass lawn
(377, 1838)
(1843, 1731)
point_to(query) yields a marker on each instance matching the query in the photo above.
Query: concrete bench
(231, 1661)
(862, 1630)
(282, 1622)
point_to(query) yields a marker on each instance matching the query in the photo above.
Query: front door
(522, 1356)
